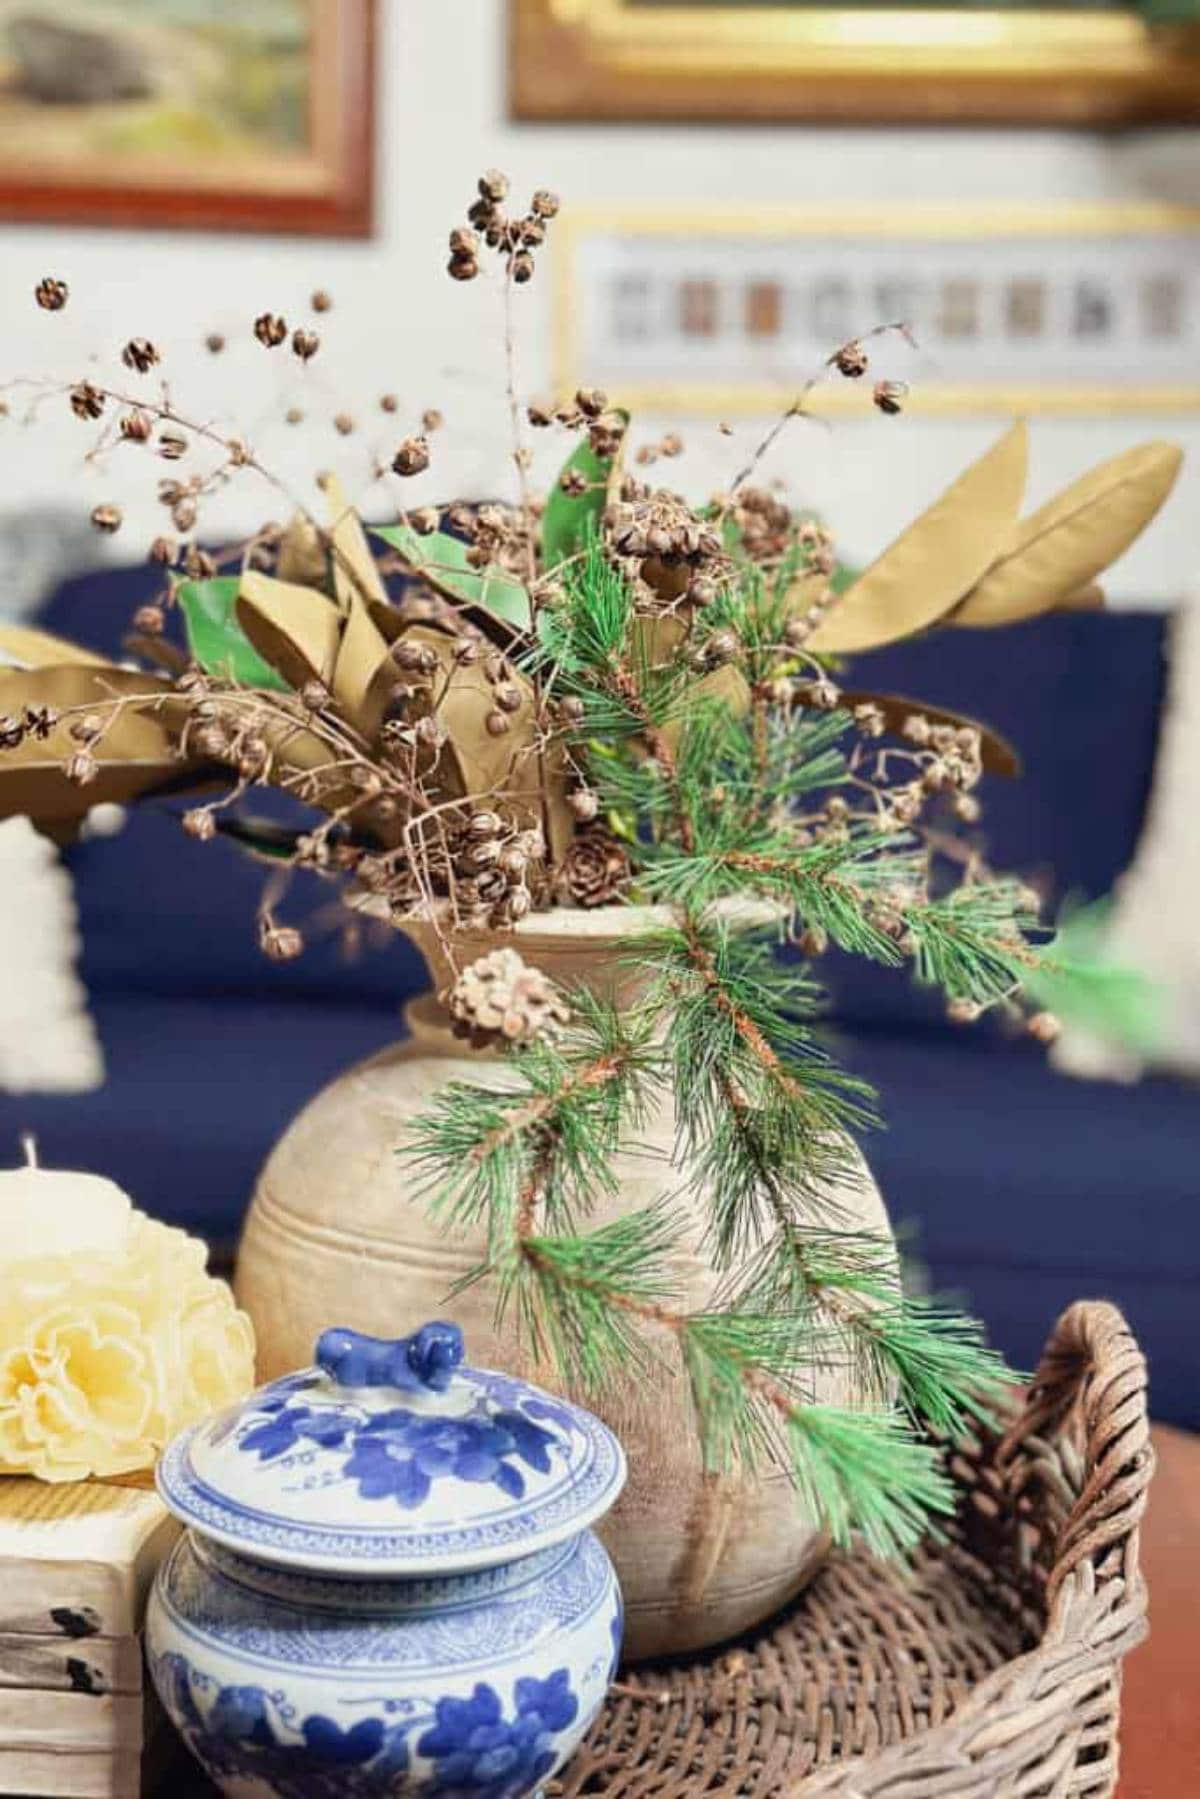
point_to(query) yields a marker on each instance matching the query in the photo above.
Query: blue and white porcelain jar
(388, 1585)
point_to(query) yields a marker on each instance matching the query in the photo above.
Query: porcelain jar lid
(393, 1458)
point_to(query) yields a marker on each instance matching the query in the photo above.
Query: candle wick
(29, 1145)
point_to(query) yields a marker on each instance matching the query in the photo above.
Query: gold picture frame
(625, 59)
(929, 223)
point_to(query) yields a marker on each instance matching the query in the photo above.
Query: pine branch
(971, 943)
(552, 1123)
(764, 1116)
(586, 1301)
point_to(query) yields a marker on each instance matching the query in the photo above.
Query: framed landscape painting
(1081, 62)
(232, 114)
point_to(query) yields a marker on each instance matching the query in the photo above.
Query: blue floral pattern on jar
(399, 1454)
(470, 1748)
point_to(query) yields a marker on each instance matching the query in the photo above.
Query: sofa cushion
(1027, 1190)
(198, 1090)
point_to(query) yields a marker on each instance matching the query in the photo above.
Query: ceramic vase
(337, 1226)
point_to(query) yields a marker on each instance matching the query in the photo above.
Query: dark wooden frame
(603, 59)
(339, 204)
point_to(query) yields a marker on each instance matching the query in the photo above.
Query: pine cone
(595, 869)
(500, 998)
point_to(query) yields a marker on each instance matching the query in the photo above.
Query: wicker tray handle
(1088, 1396)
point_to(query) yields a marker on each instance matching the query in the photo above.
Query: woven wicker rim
(991, 1670)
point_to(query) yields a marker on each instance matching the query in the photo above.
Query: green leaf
(570, 519)
(441, 560)
(1079, 979)
(216, 639)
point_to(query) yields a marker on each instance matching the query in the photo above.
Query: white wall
(400, 324)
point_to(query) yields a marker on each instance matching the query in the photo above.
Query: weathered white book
(76, 1564)
(76, 1560)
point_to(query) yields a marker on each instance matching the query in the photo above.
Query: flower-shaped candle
(113, 1336)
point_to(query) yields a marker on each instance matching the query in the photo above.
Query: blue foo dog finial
(426, 1360)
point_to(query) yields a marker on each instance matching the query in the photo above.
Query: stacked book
(76, 1564)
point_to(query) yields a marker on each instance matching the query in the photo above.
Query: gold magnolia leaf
(1066, 543)
(997, 754)
(1084, 599)
(354, 567)
(937, 560)
(296, 629)
(136, 755)
(359, 587)
(23, 647)
(303, 555)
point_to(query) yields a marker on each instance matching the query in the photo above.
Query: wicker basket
(990, 1669)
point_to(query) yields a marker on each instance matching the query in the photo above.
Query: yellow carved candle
(113, 1336)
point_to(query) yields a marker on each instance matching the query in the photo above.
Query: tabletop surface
(1160, 1707)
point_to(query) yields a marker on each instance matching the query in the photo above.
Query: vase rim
(574, 924)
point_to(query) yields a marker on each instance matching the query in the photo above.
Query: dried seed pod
(431, 419)
(149, 620)
(281, 943)
(12, 731)
(270, 329)
(183, 513)
(140, 354)
(321, 301)
(462, 268)
(493, 186)
(200, 824)
(294, 416)
(508, 697)
(412, 457)
(497, 723)
(172, 446)
(211, 740)
(81, 768)
(51, 293)
(305, 344)
(851, 360)
(214, 343)
(343, 424)
(889, 396)
(539, 414)
(87, 402)
(423, 521)
(591, 401)
(544, 203)
(464, 242)
(164, 550)
(584, 804)
(314, 695)
(406, 654)
(520, 267)
(41, 720)
(135, 427)
(107, 518)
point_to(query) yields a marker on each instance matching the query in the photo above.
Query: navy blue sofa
(1027, 1189)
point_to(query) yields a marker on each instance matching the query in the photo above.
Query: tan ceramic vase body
(337, 1234)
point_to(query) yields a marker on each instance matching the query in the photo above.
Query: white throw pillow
(48, 1043)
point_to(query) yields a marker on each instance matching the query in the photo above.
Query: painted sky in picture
(140, 90)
